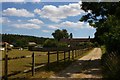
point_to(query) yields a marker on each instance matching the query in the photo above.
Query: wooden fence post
(6, 63)
(6, 67)
(64, 56)
(57, 56)
(81, 51)
(48, 59)
(69, 54)
(75, 52)
(33, 64)
(72, 54)
(78, 52)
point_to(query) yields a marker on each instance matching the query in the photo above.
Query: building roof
(77, 40)
(31, 43)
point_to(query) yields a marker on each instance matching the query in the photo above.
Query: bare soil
(86, 67)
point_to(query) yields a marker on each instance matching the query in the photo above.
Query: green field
(25, 63)
(17, 65)
(18, 53)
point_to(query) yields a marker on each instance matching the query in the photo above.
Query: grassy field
(18, 53)
(25, 63)
(18, 65)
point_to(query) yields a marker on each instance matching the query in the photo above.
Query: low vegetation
(107, 33)
(111, 65)
(42, 72)
(21, 40)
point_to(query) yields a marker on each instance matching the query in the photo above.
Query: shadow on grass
(86, 67)
(53, 66)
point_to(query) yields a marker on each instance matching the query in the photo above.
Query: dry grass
(25, 63)
(18, 53)
(18, 65)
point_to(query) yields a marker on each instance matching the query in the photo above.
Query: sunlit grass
(25, 63)
(19, 53)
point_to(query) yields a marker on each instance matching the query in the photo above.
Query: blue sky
(43, 18)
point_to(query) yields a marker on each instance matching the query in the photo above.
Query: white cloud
(20, 0)
(56, 14)
(17, 12)
(53, 27)
(1, 20)
(37, 11)
(36, 21)
(76, 24)
(46, 31)
(19, 20)
(70, 24)
(4, 20)
(12, 0)
(26, 26)
(35, 0)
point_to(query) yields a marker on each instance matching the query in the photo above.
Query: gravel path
(85, 67)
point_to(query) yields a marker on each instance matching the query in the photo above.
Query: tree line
(21, 40)
(105, 17)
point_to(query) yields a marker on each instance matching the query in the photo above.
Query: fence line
(33, 64)
(75, 53)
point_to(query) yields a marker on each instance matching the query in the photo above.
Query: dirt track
(86, 67)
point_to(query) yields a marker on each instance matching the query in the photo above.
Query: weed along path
(85, 67)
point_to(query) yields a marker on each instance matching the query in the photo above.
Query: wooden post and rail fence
(75, 53)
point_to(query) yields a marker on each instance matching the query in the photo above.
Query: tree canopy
(98, 12)
(21, 40)
(104, 16)
(59, 34)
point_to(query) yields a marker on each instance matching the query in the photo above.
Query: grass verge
(110, 65)
(54, 68)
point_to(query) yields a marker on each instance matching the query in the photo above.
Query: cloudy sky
(41, 19)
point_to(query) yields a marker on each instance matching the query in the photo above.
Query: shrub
(86, 44)
(95, 44)
(50, 43)
(111, 65)
(62, 45)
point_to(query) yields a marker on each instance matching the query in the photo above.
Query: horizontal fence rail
(72, 53)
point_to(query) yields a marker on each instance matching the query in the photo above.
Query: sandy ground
(85, 67)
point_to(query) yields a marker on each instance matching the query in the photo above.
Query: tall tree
(71, 35)
(105, 17)
(65, 33)
(98, 13)
(59, 34)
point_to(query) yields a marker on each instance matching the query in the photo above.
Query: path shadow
(79, 66)
(86, 67)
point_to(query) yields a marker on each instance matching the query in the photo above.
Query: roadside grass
(18, 65)
(103, 49)
(110, 65)
(54, 68)
(19, 53)
(43, 72)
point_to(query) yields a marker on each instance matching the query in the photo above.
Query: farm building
(77, 40)
(31, 45)
(2, 46)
